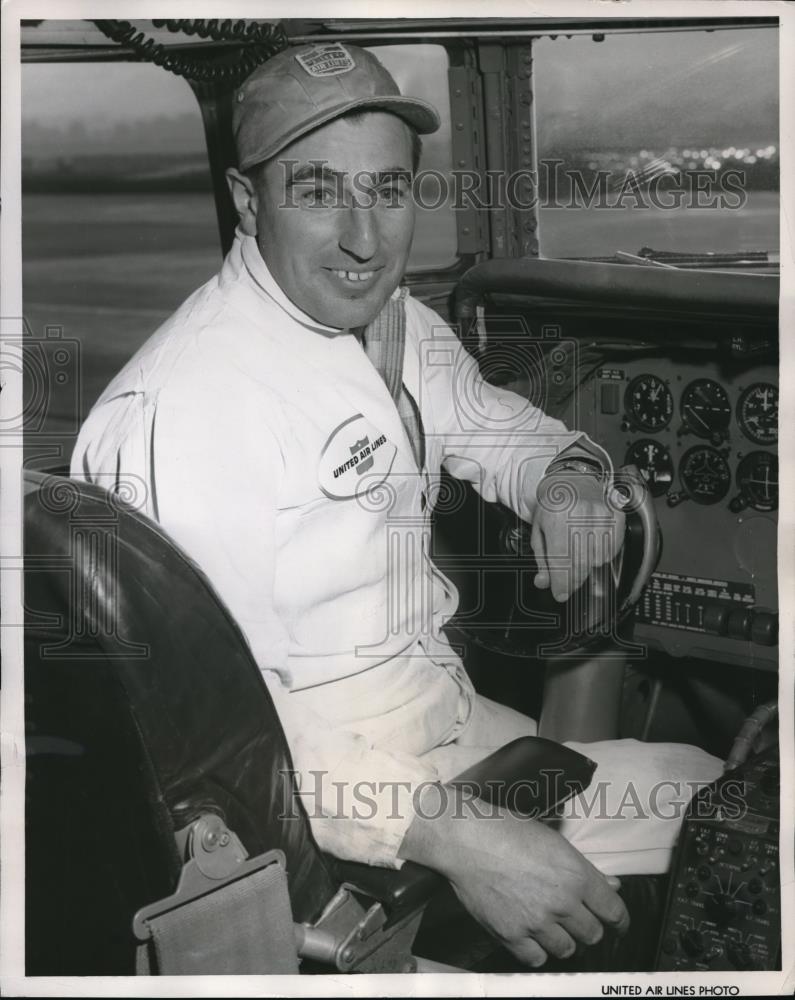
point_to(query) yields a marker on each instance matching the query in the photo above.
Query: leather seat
(146, 710)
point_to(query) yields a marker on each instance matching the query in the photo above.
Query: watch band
(581, 465)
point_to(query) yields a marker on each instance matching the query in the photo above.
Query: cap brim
(423, 117)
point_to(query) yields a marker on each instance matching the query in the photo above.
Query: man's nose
(359, 232)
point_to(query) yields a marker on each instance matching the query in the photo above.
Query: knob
(716, 619)
(722, 908)
(760, 907)
(693, 942)
(704, 872)
(764, 629)
(692, 889)
(735, 846)
(740, 623)
(755, 886)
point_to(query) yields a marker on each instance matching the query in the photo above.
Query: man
(286, 451)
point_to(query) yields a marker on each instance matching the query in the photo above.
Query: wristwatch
(581, 465)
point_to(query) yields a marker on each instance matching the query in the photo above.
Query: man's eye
(394, 193)
(318, 197)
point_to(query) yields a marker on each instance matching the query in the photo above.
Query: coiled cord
(744, 743)
(261, 42)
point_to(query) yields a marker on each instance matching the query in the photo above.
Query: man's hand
(519, 878)
(574, 531)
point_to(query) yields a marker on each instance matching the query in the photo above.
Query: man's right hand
(519, 878)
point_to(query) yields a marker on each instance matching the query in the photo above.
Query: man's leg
(627, 821)
(483, 728)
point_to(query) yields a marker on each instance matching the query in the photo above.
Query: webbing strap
(243, 928)
(384, 344)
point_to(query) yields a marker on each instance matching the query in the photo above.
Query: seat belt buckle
(216, 859)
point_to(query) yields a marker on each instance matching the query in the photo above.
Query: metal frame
(491, 101)
(383, 29)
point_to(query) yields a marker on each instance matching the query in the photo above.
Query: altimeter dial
(649, 403)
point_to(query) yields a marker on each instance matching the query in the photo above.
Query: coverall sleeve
(216, 472)
(491, 437)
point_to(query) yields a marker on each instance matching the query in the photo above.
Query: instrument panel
(704, 473)
(704, 435)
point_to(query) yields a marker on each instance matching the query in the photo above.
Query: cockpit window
(118, 219)
(666, 140)
(421, 71)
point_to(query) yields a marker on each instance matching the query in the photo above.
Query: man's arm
(520, 879)
(511, 451)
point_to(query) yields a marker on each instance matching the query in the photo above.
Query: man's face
(335, 218)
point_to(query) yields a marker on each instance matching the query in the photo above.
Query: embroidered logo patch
(327, 60)
(356, 457)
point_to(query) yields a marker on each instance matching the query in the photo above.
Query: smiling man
(291, 422)
(341, 274)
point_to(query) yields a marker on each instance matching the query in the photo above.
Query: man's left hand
(574, 530)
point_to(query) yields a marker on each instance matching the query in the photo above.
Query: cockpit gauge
(705, 474)
(757, 413)
(757, 479)
(649, 403)
(705, 408)
(654, 462)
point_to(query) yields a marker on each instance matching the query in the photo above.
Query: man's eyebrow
(391, 174)
(312, 172)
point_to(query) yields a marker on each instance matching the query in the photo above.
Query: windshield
(665, 140)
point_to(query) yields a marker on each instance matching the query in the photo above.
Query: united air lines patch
(356, 457)
(326, 60)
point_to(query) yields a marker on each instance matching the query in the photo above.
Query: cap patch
(327, 60)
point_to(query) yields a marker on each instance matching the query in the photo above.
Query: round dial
(654, 462)
(649, 403)
(757, 478)
(757, 413)
(705, 474)
(705, 407)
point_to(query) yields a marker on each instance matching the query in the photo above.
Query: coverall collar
(256, 267)
(258, 270)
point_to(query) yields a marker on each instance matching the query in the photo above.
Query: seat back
(144, 709)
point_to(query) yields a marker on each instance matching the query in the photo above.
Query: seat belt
(384, 343)
(230, 914)
(243, 928)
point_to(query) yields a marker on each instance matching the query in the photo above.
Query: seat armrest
(530, 777)
(398, 890)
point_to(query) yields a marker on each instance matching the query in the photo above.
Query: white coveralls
(269, 448)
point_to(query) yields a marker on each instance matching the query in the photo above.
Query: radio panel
(724, 907)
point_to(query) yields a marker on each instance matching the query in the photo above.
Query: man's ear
(245, 198)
